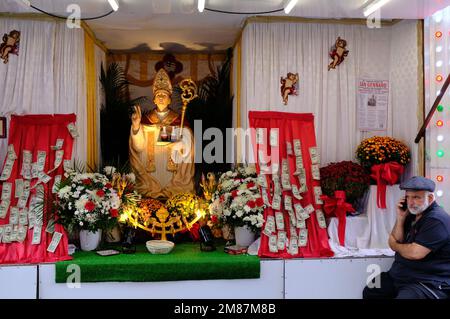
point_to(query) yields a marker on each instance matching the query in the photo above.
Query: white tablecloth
(368, 234)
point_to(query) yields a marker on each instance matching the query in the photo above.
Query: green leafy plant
(115, 115)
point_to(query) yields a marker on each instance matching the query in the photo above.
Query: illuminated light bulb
(440, 178)
(438, 92)
(439, 193)
(440, 123)
(290, 6)
(438, 17)
(439, 49)
(440, 153)
(201, 5)
(440, 138)
(439, 63)
(440, 108)
(439, 78)
(438, 34)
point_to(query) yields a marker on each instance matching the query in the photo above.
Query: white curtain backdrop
(47, 77)
(271, 50)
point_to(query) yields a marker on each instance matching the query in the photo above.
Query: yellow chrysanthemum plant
(381, 150)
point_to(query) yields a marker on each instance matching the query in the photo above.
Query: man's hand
(402, 213)
(136, 118)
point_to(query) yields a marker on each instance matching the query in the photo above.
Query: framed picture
(2, 127)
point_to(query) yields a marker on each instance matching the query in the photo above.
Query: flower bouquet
(237, 201)
(87, 201)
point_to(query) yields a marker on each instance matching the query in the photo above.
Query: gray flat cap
(418, 183)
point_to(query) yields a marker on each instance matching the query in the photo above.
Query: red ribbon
(337, 207)
(385, 174)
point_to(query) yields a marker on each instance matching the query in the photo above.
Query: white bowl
(159, 246)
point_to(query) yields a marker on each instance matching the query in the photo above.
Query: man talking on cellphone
(421, 241)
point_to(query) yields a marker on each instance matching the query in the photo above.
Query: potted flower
(238, 203)
(89, 203)
(344, 176)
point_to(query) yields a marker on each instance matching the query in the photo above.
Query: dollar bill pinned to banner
(275, 168)
(31, 218)
(269, 227)
(40, 163)
(288, 203)
(7, 169)
(11, 152)
(22, 233)
(15, 233)
(7, 231)
(281, 243)
(303, 238)
(50, 226)
(25, 194)
(301, 223)
(265, 197)
(309, 209)
(297, 147)
(293, 246)
(315, 170)
(296, 192)
(26, 164)
(314, 154)
(318, 194)
(58, 160)
(6, 191)
(23, 216)
(273, 246)
(37, 232)
(262, 181)
(279, 218)
(56, 182)
(4, 206)
(19, 188)
(276, 202)
(55, 242)
(72, 130)
(321, 218)
(14, 216)
(67, 166)
(59, 144)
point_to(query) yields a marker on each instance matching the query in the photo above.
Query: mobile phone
(404, 205)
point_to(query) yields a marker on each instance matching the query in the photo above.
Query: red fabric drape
(337, 207)
(385, 174)
(36, 133)
(292, 126)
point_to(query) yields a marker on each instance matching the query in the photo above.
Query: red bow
(385, 174)
(336, 206)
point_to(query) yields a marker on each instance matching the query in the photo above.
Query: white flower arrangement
(237, 201)
(87, 201)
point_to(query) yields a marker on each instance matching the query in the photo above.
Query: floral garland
(237, 201)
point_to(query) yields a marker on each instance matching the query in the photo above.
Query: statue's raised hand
(136, 118)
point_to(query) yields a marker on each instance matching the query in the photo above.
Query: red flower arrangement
(345, 176)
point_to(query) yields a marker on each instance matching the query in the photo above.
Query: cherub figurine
(10, 45)
(338, 53)
(288, 86)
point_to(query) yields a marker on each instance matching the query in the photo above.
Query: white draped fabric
(368, 233)
(271, 50)
(47, 77)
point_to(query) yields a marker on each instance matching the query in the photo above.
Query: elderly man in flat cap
(421, 241)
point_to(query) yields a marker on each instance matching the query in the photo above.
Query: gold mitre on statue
(162, 82)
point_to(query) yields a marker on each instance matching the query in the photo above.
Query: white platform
(330, 278)
(268, 286)
(18, 282)
(291, 279)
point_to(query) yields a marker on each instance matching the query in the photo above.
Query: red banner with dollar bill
(39, 149)
(287, 162)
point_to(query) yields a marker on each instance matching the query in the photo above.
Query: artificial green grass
(184, 262)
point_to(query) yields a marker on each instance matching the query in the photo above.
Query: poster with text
(372, 103)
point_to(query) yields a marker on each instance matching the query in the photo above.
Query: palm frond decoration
(115, 114)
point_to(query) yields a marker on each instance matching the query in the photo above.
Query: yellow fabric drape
(92, 138)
